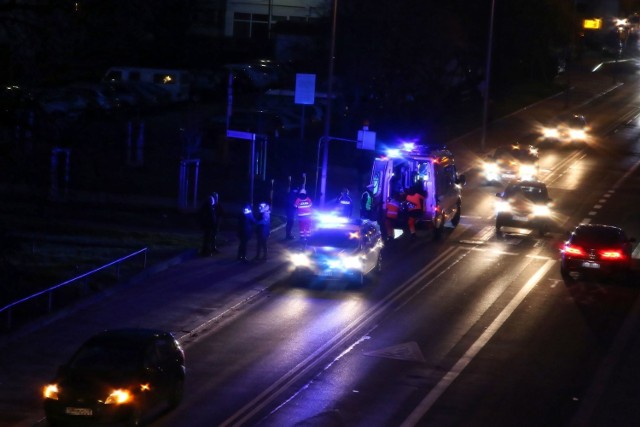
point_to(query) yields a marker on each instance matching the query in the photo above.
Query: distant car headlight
(490, 167)
(352, 263)
(300, 260)
(550, 132)
(119, 397)
(503, 206)
(527, 171)
(541, 210)
(50, 391)
(577, 134)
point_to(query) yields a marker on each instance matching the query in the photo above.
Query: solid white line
(426, 404)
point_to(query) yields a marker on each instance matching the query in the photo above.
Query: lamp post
(327, 119)
(485, 114)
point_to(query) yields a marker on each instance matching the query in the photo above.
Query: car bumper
(522, 221)
(71, 413)
(597, 267)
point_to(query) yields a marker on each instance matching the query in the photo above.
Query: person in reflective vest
(415, 210)
(391, 216)
(304, 206)
(366, 203)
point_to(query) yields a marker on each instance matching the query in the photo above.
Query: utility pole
(327, 119)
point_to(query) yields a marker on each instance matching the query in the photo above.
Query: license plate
(589, 264)
(520, 218)
(87, 412)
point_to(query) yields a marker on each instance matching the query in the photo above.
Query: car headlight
(490, 167)
(503, 206)
(541, 210)
(352, 262)
(300, 260)
(50, 391)
(550, 132)
(118, 397)
(527, 171)
(577, 134)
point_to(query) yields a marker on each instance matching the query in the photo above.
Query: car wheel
(438, 226)
(177, 393)
(378, 267)
(456, 218)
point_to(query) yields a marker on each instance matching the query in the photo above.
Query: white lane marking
(585, 221)
(597, 206)
(426, 404)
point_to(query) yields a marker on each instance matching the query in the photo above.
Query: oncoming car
(567, 130)
(597, 248)
(510, 162)
(339, 249)
(524, 204)
(116, 376)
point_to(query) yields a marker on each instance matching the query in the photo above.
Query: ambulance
(428, 169)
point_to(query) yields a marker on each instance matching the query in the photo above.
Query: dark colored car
(597, 248)
(524, 204)
(339, 249)
(117, 376)
(510, 162)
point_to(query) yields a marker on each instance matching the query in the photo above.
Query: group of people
(299, 206)
(249, 223)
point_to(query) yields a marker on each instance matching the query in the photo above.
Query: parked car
(61, 101)
(603, 250)
(97, 96)
(117, 376)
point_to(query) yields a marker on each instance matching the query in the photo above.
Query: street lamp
(327, 119)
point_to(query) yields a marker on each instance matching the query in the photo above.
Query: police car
(339, 249)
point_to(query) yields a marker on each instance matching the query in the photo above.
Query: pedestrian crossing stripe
(405, 351)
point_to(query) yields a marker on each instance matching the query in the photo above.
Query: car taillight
(611, 254)
(573, 250)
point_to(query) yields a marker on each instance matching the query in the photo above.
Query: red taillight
(611, 254)
(573, 250)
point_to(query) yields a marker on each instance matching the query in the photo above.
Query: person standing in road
(210, 215)
(366, 203)
(292, 195)
(304, 206)
(263, 229)
(415, 209)
(391, 217)
(345, 204)
(246, 224)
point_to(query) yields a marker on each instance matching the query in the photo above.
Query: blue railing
(50, 291)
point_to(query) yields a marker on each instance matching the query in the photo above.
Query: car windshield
(508, 154)
(599, 235)
(343, 239)
(107, 357)
(534, 193)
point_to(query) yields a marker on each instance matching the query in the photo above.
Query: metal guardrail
(50, 291)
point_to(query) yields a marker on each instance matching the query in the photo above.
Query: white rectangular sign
(305, 89)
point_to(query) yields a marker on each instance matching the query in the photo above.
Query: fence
(35, 302)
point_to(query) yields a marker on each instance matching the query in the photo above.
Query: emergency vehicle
(428, 169)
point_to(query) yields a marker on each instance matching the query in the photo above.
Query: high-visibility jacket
(416, 200)
(393, 208)
(303, 204)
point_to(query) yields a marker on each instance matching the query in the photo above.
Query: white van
(176, 82)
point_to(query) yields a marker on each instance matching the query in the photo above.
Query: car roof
(138, 336)
(597, 229)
